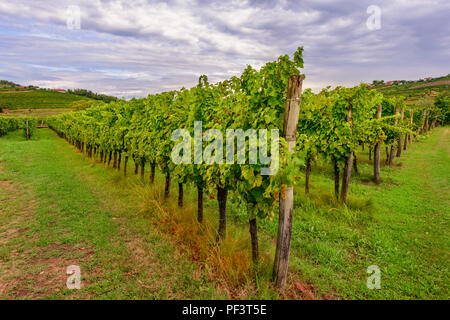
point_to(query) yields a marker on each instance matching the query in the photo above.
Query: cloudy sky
(136, 47)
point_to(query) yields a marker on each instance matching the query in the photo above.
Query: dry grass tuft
(227, 262)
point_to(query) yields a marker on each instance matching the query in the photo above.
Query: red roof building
(60, 90)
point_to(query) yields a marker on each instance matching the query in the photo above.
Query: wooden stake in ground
(308, 173)
(152, 172)
(336, 178)
(355, 162)
(422, 130)
(180, 194)
(405, 142)
(293, 101)
(254, 238)
(376, 155)
(142, 169)
(348, 162)
(411, 120)
(222, 195)
(200, 202)
(28, 132)
(115, 160)
(167, 186)
(125, 166)
(399, 147)
(387, 156)
(392, 155)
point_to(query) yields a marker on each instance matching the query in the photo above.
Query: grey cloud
(132, 48)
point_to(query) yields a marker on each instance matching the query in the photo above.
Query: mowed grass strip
(401, 225)
(57, 209)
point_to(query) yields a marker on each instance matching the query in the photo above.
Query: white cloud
(130, 48)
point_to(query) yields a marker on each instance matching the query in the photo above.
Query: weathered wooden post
(167, 186)
(348, 162)
(376, 155)
(142, 169)
(307, 173)
(125, 166)
(411, 121)
(336, 178)
(200, 202)
(291, 113)
(28, 132)
(392, 155)
(399, 147)
(152, 172)
(422, 130)
(180, 194)
(222, 195)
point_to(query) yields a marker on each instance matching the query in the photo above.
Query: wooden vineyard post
(125, 166)
(308, 173)
(180, 194)
(392, 154)
(336, 178)
(399, 147)
(411, 120)
(222, 195)
(200, 202)
(405, 143)
(28, 132)
(292, 110)
(152, 172)
(422, 130)
(142, 169)
(167, 186)
(254, 238)
(376, 155)
(348, 162)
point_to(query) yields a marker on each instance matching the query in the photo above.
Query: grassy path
(401, 225)
(57, 209)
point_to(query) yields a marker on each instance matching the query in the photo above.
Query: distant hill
(27, 98)
(8, 84)
(92, 95)
(15, 96)
(414, 90)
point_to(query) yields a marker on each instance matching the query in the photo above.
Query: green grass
(58, 208)
(401, 225)
(37, 99)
